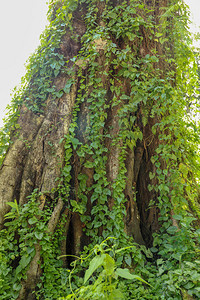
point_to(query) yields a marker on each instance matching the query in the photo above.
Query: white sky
(21, 23)
(195, 13)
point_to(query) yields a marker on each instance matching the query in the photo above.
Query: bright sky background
(21, 23)
(195, 13)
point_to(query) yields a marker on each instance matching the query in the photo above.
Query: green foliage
(28, 227)
(161, 86)
(14, 211)
(42, 67)
(104, 274)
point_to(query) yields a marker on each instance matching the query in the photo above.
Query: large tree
(98, 143)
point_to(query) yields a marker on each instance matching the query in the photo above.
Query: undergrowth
(162, 85)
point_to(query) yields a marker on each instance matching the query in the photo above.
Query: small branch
(55, 215)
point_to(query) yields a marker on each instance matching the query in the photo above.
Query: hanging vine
(130, 167)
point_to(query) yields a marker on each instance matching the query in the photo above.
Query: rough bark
(36, 157)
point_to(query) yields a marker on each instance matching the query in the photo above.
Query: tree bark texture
(36, 156)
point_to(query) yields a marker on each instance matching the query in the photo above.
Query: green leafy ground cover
(114, 268)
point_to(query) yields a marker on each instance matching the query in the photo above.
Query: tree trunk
(89, 148)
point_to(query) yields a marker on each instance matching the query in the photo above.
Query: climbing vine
(135, 74)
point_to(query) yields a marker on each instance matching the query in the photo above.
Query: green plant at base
(157, 94)
(14, 211)
(104, 273)
(28, 227)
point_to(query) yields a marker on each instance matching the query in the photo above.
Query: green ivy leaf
(17, 286)
(56, 72)
(116, 295)
(89, 164)
(67, 87)
(39, 235)
(30, 250)
(128, 259)
(25, 260)
(95, 263)
(75, 142)
(94, 197)
(109, 264)
(97, 176)
(125, 273)
(151, 175)
(32, 220)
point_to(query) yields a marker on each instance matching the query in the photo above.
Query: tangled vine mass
(99, 194)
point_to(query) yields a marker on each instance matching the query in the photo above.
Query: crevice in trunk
(148, 215)
(132, 217)
(69, 244)
(76, 239)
